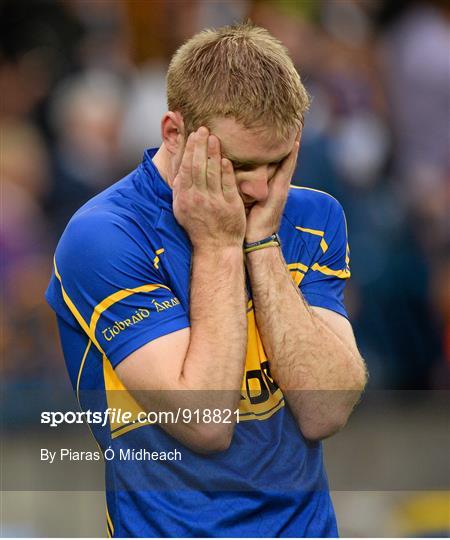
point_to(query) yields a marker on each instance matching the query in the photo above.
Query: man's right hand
(206, 201)
(200, 367)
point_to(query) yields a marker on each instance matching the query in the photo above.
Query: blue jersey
(121, 279)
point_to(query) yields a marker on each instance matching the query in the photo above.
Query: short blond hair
(238, 71)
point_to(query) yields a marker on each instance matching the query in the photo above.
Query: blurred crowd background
(82, 94)
(82, 86)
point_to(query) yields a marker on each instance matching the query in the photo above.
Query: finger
(200, 159)
(287, 167)
(292, 159)
(288, 164)
(214, 169)
(183, 179)
(279, 185)
(229, 187)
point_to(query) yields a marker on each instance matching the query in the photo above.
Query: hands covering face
(206, 200)
(264, 217)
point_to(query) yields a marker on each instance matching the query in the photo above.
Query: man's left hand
(264, 218)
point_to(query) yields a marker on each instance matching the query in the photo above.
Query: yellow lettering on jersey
(260, 395)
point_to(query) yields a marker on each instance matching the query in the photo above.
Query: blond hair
(238, 71)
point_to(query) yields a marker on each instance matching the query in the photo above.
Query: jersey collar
(159, 185)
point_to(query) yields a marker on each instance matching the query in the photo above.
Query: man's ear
(172, 131)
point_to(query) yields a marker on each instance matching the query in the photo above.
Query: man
(202, 284)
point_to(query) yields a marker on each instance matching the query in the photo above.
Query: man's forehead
(249, 146)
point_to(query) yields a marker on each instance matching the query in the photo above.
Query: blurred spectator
(416, 61)
(105, 44)
(38, 47)
(24, 171)
(86, 117)
(28, 335)
(145, 105)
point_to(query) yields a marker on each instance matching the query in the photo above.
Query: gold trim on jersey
(83, 360)
(297, 271)
(315, 232)
(75, 311)
(118, 399)
(341, 274)
(291, 186)
(109, 523)
(156, 259)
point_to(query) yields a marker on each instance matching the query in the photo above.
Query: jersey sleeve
(324, 282)
(110, 280)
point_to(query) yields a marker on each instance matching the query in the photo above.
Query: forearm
(216, 354)
(210, 375)
(320, 375)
